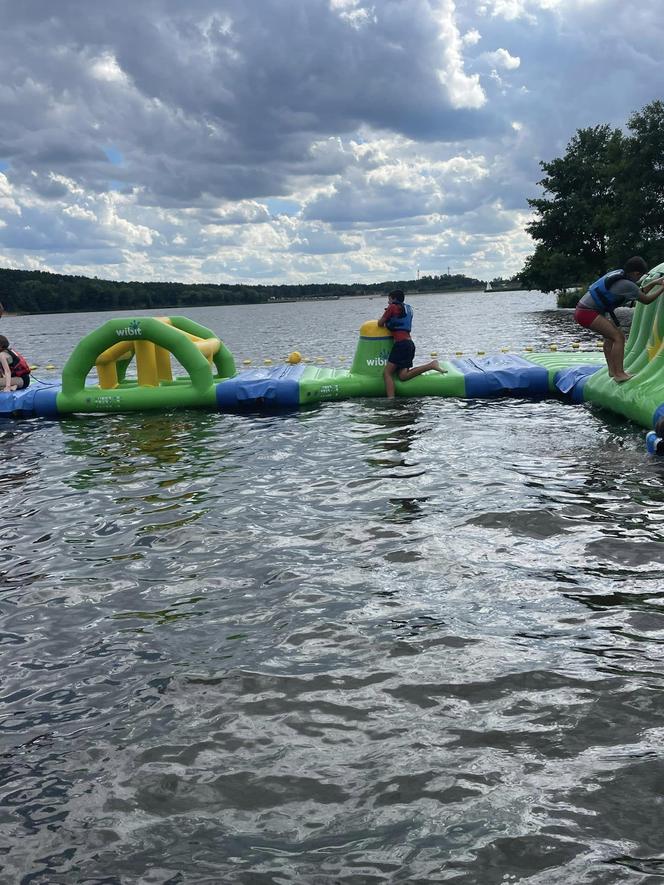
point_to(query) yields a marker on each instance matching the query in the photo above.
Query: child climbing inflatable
(612, 290)
(398, 318)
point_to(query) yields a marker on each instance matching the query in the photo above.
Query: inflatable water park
(96, 377)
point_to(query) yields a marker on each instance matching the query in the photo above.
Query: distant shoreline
(42, 292)
(180, 308)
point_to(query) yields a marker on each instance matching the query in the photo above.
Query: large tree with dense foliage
(603, 201)
(575, 217)
(642, 185)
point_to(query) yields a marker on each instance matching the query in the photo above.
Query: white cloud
(352, 12)
(242, 212)
(472, 37)
(502, 59)
(106, 67)
(80, 213)
(464, 89)
(8, 203)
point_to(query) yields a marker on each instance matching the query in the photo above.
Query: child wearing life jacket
(14, 368)
(612, 290)
(398, 318)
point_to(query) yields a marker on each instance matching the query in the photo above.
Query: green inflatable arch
(197, 390)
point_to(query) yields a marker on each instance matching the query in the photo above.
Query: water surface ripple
(368, 642)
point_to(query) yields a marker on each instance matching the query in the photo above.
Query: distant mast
(489, 288)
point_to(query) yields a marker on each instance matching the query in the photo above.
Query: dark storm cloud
(38, 231)
(581, 64)
(223, 98)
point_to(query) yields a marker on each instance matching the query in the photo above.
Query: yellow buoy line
(152, 346)
(296, 356)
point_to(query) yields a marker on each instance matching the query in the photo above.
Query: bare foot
(620, 379)
(435, 365)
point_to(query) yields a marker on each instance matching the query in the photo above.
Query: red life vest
(18, 364)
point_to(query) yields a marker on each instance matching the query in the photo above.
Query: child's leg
(607, 344)
(613, 346)
(388, 375)
(15, 383)
(434, 365)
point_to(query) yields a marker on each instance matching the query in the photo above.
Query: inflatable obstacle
(150, 343)
(150, 346)
(642, 398)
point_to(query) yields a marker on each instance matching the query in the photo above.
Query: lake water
(369, 642)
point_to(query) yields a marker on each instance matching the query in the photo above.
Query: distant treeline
(33, 291)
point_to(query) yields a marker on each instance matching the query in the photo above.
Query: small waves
(369, 642)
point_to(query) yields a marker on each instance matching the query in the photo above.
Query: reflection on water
(416, 641)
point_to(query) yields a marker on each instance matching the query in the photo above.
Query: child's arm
(647, 296)
(6, 370)
(385, 317)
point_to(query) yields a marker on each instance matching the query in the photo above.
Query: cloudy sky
(299, 140)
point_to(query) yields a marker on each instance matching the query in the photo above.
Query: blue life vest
(401, 324)
(601, 294)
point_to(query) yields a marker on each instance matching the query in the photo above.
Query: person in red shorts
(398, 318)
(612, 290)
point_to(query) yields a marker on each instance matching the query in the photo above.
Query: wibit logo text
(379, 360)
(133, 330)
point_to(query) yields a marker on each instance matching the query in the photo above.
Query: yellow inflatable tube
(153, 363)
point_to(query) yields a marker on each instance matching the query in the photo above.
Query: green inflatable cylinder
(373, 349)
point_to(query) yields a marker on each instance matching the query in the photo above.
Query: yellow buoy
(50, 366)
(481, 352)
(267, 361)
(458, 353)
(553, 347)
(294, 357)
(434, 353)
(246, 362)
(529, 349)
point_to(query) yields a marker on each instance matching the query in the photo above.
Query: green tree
(576, 217)
(603, 202)
(549, 271)
(642, 186)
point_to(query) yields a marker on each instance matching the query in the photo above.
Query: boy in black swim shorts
(398, 318)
